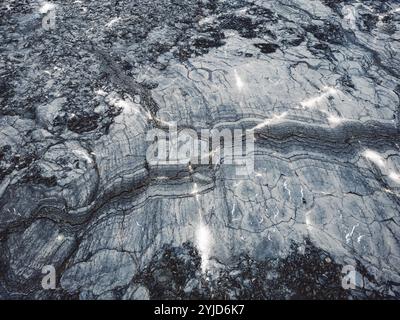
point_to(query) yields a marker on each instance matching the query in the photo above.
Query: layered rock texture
(316, 82)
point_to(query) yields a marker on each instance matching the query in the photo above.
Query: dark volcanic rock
(266, 47)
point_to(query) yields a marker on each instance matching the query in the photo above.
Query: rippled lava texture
(316, 82)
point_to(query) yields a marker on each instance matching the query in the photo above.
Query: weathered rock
(316, 82)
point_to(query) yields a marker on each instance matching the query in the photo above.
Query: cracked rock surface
(316, 82)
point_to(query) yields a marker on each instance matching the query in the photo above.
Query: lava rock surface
(317, 82)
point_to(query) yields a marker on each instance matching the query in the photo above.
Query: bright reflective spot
(233, 208)
(382, 164)
(394, 176)
(287, 189)
(82, 154)
(335, 121)
(195, 192)
(206, 20)
(195, 189)
(46, 7)
(239, 82)
(128, 107)
(308, 219)
(388, 191)
(313, 102)
(375, 157)
(274, 119)
(350, 234)
(203, 239)
(60, 237)
(161, 121)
